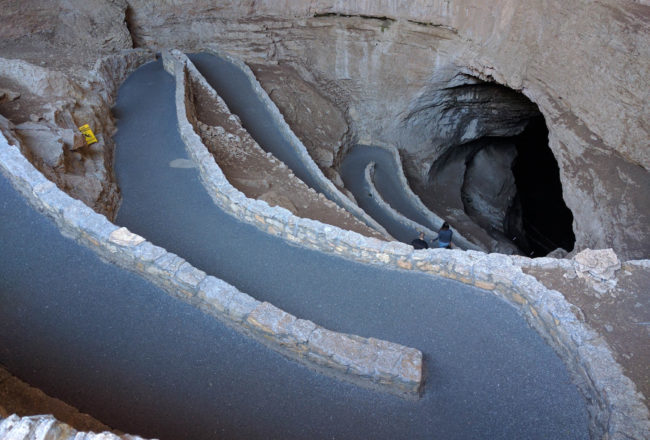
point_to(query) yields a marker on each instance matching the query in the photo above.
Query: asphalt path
(387, 184)
(117, 347)
(235, 88)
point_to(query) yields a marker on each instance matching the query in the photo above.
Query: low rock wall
(433, 219)
(48, 428)
(616, 409)
(299, 149)
(368, 175)
(365, 361)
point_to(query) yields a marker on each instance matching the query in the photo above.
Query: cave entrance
(538, 217)
(496, 179)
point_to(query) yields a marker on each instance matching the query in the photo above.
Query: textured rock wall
(584, 64)
(65, 34)
(59, 71)
(50, 108)
(318, 123)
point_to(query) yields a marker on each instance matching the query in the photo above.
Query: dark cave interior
(497, 172)
(545, 219)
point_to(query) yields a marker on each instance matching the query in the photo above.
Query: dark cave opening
(544, 223)
(497, 180)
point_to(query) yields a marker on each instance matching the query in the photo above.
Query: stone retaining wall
(48, 428)
(365, 361)
(461, 241)
(616, 409)
(396, 216)
(299, 149)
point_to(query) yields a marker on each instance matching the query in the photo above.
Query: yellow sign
(88, 134)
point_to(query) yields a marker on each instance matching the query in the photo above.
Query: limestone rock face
(457, 111)
(583, 65)
(59, 70)
(600, 264)
(42, 142)
(51, 105)
(318, 123)
(489, 186)
(63, 32)
(598, 268)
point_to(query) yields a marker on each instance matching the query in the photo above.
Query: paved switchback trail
(235, 89)
(167, 371)
(489, 375)
(388, 186)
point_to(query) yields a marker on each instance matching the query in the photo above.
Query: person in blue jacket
(444, 236)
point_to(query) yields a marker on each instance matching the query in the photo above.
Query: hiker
(419, 243)
(444, 236)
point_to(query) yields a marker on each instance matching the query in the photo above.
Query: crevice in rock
(434, 25)
(130, 26)
(366, 17)
(385, 22)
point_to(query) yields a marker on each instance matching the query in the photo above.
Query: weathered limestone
(277, 329)
(598, 267)
(58, 105)
(317, 122)
(48, 428)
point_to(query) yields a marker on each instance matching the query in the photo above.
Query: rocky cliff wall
(61, 63)
(583, 64)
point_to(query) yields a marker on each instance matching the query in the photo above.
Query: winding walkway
(387, 185)
(489, 374)
(238, 91)
(396, 211)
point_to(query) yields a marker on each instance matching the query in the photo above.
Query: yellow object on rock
(88, 134)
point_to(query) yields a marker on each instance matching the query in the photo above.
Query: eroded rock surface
(46, 116)
(318, 123)
(63, 34)
(489, 186)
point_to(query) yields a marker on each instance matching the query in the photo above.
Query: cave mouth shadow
(546, 223)
(497, 170)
